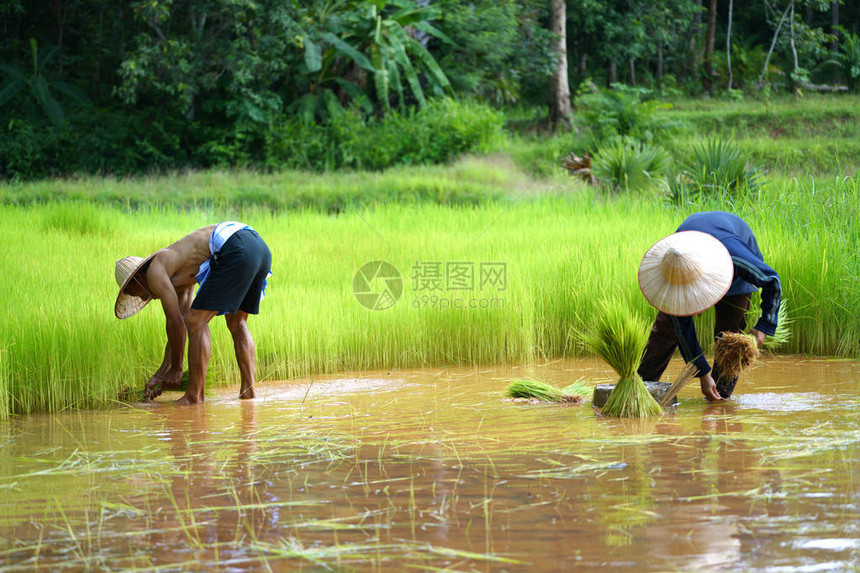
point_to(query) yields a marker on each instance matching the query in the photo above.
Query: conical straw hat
(686, 273)
(126, 268)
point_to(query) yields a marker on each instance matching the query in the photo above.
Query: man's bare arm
(185, 295)
(170, 373)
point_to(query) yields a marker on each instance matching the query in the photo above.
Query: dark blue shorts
(237, 276)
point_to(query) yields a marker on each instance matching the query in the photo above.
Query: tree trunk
(58, 22)
(613, 73)
(659, 64)
(770, 51)
(707, 84)
(729, 44)
(695, 42)
(559, 106)
(795, 87)
(632, 72)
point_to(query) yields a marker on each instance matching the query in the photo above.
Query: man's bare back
(181, 260)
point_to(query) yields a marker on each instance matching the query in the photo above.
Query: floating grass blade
(619, 338)
(684, 377)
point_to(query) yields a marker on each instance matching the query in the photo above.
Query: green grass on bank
(469, 181)
(813, 136)
(561, 253)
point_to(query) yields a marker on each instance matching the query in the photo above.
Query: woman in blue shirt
(712, 260)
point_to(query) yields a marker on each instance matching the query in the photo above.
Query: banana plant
(38, 83)
(393, 51)
(378, 44)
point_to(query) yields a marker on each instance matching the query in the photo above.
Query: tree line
(167, 83)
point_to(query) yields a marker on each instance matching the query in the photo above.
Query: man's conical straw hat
(686, 273)
(126, 268)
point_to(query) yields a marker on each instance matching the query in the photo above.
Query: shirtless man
(231, 263)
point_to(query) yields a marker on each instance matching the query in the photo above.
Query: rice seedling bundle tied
(619, 338)
(544, 392)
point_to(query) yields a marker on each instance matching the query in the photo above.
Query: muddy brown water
(432, 469)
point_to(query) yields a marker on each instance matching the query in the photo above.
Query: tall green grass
(64, 348)
(469, 181)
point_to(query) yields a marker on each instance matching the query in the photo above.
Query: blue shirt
(751, 273)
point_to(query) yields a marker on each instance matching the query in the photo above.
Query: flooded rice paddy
(433, 470)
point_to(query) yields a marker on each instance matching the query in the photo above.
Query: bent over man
(712, 260)
(231, 263)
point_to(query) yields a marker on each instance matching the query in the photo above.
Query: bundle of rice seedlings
(537, 389)
(685, 376)
(577, 388)
(619, 339)
(734, 352)
(783, 332)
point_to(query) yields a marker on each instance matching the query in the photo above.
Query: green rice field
(542, 255)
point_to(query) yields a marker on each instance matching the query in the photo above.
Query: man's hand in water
(160, 382)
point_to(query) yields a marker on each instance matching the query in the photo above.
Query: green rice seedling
(783, 329)
(530, 388)
(577, 388)
(619, 338)
(77, 219)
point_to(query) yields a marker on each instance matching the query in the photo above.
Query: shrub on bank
(111, 143)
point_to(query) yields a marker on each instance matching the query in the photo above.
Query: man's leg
(243, 344)
(659, 350)
(199, 350)
(730, 314)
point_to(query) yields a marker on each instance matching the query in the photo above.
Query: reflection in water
(433, 469)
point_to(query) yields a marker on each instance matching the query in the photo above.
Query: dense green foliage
(439, 132)
(134, 87)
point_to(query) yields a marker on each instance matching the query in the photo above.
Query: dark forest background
(139, 86)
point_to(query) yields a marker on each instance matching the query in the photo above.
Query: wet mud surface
(433, 468)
